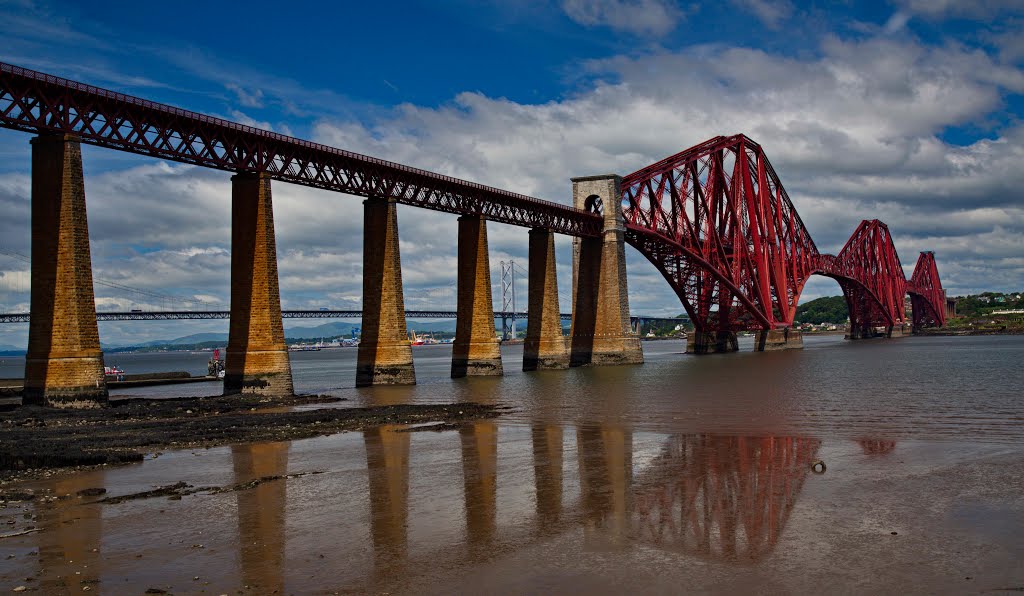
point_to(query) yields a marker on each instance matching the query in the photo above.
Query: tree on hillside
(829, 309)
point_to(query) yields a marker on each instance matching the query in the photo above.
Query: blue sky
(908, 111)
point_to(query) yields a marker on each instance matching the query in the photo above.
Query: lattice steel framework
(40, 103)
(717, 223)
(926, 294)
(720, 227)
(871, 275)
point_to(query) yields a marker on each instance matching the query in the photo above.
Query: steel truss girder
(722, 207)
(871, 275)
(39, 103)
(717, 223)
(926, 294)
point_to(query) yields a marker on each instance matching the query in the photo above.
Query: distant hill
(9, 350)
(829, 309)
(292, 334)
(195, 338)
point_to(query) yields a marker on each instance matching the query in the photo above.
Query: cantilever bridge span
(714, 219)
(718, 224)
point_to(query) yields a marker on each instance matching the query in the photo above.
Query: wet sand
(682, 475)
(494, 508)
(36, 439)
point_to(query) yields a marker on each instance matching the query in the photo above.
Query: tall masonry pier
(476, 351)
(544, 346)
(64, 363)
(385, 355)
(601, 332)
(257, 355)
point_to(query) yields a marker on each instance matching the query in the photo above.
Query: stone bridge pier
(772, 340)
(64, 362)
(601, 332)
(385, 355)
(476, 350)
(257, 356)
(544, 347)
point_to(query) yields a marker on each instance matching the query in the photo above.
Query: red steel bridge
(714, 219)
(717, 223)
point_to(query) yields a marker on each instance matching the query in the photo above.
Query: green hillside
(829, 309)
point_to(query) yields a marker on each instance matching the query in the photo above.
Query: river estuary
(685, 474)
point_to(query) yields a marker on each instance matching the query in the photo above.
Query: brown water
(684, 474)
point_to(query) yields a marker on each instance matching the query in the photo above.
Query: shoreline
(35, 440)
(968, 332)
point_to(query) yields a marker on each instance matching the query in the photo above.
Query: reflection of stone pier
(261, 515)
(480, 477)
(547, 473)
(387, 464)
(606, 472)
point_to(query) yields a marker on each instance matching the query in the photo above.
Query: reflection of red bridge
(718, 224)
(714, 219)
(720, 496)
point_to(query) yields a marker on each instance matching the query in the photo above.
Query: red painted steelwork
(39, 103)
(869, 271)
(926, 294)
(717, 223)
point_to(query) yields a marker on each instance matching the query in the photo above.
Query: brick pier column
(480, 480)
(257, 356)
(476, 351)
(387, 463)
(385, 356)
(544, 347)
(601, 333)
(64, 363)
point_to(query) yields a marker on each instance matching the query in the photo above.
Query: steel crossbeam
(40, 103)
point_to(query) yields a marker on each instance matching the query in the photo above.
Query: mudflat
(36, 438)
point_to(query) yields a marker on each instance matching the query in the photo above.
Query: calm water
(684, 474)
